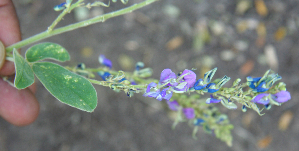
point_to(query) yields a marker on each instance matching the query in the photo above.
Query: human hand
(18, 107)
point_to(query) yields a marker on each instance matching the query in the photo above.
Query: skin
(18, 107)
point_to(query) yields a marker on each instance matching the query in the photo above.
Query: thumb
(2, 54)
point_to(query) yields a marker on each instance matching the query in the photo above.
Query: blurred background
(240, 37)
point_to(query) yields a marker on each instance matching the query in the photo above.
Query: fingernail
(2, 54)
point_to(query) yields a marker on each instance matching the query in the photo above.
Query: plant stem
(103, 83)
(64, 12)
(71, 27)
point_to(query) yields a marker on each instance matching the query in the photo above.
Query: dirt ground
(238, 44)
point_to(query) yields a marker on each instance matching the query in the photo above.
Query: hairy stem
(102, 18)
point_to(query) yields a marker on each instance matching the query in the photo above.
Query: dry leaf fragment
(260, 41)
(280, 33)
(247, 119)
(243, 6)
(265, 142)
(126, 62)
(131, 45)
(174, 43)
(247, 67)
(242, 26)
(285, 120)
(261, 8)
(261, 30)
(87, 52)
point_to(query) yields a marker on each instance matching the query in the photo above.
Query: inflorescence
(183, 91)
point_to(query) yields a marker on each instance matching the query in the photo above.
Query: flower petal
(166, 76)
(190, 78)
(173, 105)
(189, 113)
(104, 61)
(282, 96)
(261, 99)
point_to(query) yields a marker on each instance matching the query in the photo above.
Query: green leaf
(24, 74)
(66, 86)
(47, 51)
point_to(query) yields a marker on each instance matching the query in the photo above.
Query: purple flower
(212, 100)
(281, 97)
(182, 87)
(173, 105)
(167, 76)
(104, 61)
(133, 83)
(166, 94)
(189, 113)
(190, 78)
(261, 99)
(151, 91)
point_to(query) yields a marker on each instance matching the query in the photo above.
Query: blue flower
(256, 84)
(173, 105)
(81, 66)
(189, 113)
(60, 7)
(198, 122)
(244, 109)
(211, 88)
(251, 82)
(139, 65)
(104, 75)
(212, 100)
(199, 85)
(104, 61)
(262, 84)
(121, 80)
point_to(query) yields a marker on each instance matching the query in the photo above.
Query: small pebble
(172, 11)
(241, 45)
(271, 57)
(227, 55)
(217, 28)
(131, 45)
